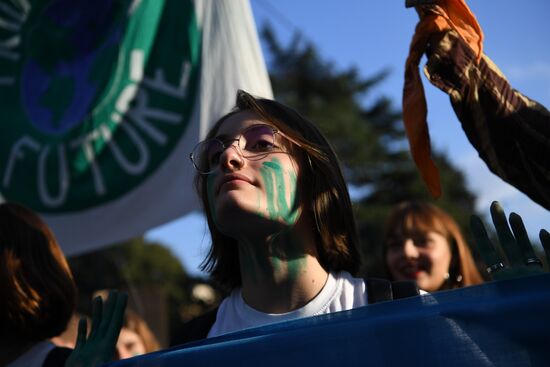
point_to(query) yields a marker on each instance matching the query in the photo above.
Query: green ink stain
(268, 183)
(274, 182)
(287, 248)
(281, 192)
(294, 267)
(254, 260)
(293, 213)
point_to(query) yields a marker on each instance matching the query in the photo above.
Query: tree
(140, 266)
(368, 138)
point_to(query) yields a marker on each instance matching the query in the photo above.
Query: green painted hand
(520, 258)
(99, 346)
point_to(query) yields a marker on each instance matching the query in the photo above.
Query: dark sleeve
(195, 329)
(57, 357)
(382, 290)
(510, 132)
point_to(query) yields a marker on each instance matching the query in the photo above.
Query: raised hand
(519, 257)
(99, 346)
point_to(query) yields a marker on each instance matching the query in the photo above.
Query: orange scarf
(446, 15)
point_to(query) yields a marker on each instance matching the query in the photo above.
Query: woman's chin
(233, 220)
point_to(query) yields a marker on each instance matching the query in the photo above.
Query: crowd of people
(284, 245)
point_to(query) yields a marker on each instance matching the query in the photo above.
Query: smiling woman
(279, 213)
(423, 243)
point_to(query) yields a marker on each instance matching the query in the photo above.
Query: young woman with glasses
(280, 217)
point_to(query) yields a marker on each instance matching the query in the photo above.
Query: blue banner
(505, 323)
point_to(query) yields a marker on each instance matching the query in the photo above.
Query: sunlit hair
(37, 291)
(326, 197)
(409, 218)
(133, 322)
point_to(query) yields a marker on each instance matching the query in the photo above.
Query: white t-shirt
(341, 292)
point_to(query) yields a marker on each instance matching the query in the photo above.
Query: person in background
(135, 337)
(67, 338)
(38, 298)
(281, 223)
(37, 291)
(423, 243)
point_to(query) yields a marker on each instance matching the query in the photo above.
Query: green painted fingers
(100, 345)
(513, 256)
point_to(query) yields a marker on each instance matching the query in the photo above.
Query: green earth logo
(72, 49)
(94, 95)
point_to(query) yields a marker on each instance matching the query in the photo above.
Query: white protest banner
(101, 103)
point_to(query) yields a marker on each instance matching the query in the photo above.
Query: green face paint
(276, 192)
(284, 252)
(287, 248)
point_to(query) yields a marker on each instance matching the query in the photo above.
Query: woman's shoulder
(44, 354)
(57, 357)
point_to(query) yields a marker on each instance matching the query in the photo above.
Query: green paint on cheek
(293, 210)
(267, 177)
(274, 181)
(281, 192)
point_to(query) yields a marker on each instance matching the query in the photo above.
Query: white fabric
(34, 357)
(231, 60)
(341, 292)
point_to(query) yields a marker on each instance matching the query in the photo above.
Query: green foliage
(369, 139)
(132, 263)
(139, 266)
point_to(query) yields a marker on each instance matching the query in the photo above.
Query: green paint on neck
(283, 254)
(287, 247)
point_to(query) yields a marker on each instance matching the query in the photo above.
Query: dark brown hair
(326, 197)
(410, 217)
(37, 291)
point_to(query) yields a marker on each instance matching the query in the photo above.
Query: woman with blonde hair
(135, 337)
(423, 243)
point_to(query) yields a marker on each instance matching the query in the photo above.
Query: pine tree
(369, 139)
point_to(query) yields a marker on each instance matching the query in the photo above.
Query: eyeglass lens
(255, 141)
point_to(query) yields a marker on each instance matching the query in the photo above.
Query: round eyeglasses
(254, 143)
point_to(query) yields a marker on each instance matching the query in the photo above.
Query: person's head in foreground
(37, 291)
(424, 243)
(267, 175)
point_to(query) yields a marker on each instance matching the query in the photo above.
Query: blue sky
(375, 35)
